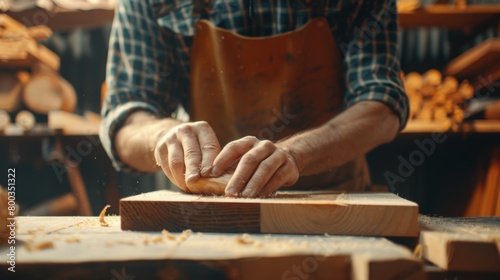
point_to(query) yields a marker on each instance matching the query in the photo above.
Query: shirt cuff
(110, 125)
(395, 99)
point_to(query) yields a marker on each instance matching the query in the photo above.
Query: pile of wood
(29, 78)
(434, 98)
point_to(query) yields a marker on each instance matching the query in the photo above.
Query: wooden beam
(373, 214)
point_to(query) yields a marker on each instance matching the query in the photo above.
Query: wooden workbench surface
(83, 248)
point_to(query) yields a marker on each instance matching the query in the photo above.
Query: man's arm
(377, 107)
(350, 135)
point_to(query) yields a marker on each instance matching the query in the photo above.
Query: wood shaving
(101, 216)
(39, 246)
(73, 240)
(244, 239)
(199, 234)
(109, 243)
(126, 242)
(418, 251)
(168, 235)
(184, 235)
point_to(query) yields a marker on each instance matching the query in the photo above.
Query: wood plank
(447, 16)
(473, 62)
(373, 214)
(100, 250)
(462, 244)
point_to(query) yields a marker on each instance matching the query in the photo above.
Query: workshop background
(451, 64)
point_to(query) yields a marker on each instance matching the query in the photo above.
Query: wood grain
(462, 244)
(100, 250)
(374, 214)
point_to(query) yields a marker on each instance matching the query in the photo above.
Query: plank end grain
(177, 212)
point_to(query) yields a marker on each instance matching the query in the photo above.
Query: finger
(286, 175)
(161, 156)
(231, 153)
(276, 182)
(265, 171)
(249, 162)
(176, 163)
(210, 147)
(192, 154)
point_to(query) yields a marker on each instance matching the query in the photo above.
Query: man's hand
(262, 167)
(187, 151)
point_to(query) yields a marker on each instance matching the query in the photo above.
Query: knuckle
(202, 125)
(210, 147)
(249, 159)
(250, 138)
(176, 163)
(184, 129)
(268, 145)
(192, 154)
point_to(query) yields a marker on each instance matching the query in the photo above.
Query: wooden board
(462, 244)
(82, 249)
(475, 62)
(372, 214)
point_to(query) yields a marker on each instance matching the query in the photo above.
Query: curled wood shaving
(244, 239)
(39, 246)
(168, 235)
(418, 251)
(101, 216)
(184, 235)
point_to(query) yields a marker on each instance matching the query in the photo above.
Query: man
(279, 93)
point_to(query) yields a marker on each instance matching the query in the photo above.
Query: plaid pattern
(149, 62)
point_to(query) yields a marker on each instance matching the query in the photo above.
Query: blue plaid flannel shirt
(148, 61)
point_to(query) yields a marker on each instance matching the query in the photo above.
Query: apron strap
(317, 7)
(202, 7)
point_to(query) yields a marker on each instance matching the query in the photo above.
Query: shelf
(477, 126)
(64, 20)
(447, 16)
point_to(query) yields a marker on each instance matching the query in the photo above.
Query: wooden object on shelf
(450, 16)
(492, 111)
(43, 93)
(372, 214)
(72, 124)
(18, 49)
(479, 61)
(10, 91)
(25, 120)
(408, 5)
(462, 244)
(4, 120)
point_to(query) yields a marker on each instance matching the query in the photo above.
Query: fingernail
(205, 170)
(193, 177)
(247, 193)
(231, 192)
(215, 172)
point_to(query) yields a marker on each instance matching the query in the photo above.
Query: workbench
(81, 248)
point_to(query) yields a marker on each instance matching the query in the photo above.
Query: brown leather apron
(271, 87)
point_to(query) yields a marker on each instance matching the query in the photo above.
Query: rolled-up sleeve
(371, 59)
(137, 74)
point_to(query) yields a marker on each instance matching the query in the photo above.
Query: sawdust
(73, 239)
(184, 235)
(39, 246)
(244, 239)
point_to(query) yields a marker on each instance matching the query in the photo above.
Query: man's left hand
(262, 167)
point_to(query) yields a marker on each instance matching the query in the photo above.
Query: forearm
(136, 140)
(351, 134)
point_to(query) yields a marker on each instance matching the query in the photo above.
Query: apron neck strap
(202, 7)
(317, 7)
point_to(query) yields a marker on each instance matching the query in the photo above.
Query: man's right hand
(186, 152)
